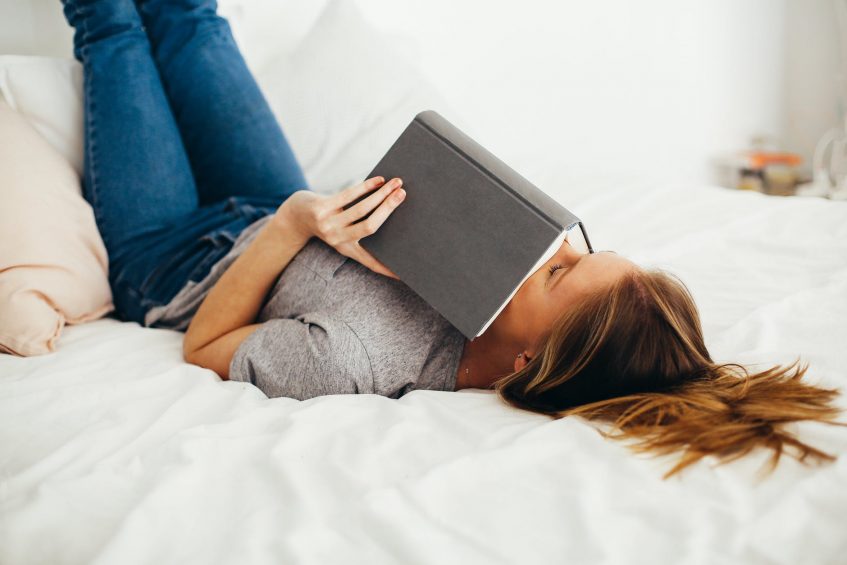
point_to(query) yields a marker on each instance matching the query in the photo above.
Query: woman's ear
(521, 360)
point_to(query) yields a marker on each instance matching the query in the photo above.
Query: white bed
(115, 451)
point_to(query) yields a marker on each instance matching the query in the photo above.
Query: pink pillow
(53, 265)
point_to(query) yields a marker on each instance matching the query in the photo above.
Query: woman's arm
(227, 315)
(225, 318)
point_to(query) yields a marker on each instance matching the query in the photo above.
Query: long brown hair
(634, 354)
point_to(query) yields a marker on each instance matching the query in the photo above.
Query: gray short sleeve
(303, 357)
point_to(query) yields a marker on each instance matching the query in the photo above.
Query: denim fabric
(182, 151)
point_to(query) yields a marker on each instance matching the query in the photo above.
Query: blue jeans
(182, 151)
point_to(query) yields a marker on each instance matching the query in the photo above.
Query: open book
(471, 230)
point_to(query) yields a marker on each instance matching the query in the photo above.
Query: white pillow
(47, 91)
(265, 29)
(345, 94)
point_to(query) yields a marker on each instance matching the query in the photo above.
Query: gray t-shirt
(331, 326)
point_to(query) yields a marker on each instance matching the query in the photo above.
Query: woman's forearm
(231, 307)
(227, 315)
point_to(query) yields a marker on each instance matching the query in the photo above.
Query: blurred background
(599, 91)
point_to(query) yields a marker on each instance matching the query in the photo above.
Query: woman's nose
(565, 254)
(568, 250)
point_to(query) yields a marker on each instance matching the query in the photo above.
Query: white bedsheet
(114, 451)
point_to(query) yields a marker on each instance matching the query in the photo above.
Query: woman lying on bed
(210, 226)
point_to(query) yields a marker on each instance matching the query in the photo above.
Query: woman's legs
(234, 143)
(136, 174)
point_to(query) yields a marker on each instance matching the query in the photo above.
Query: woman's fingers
(341, 229)
(352, 193)
(362, 208)
(370, 224)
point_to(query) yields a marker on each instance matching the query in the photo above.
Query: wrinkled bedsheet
(112, 450)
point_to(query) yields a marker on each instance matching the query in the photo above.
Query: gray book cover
(470, 231)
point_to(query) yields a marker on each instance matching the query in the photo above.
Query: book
(471, 230)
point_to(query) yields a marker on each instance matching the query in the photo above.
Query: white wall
(811, 65)
(646, 89)
(34, 27)
(626, 88)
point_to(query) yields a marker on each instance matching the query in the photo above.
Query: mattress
(113, 450)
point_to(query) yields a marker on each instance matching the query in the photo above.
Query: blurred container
(762, 169)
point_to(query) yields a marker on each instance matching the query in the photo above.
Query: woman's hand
(325, 217)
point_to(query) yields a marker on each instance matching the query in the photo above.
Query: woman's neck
(484, 360)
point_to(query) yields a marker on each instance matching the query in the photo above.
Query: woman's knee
(95, 21)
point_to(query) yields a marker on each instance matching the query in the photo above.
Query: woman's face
(543, 297)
